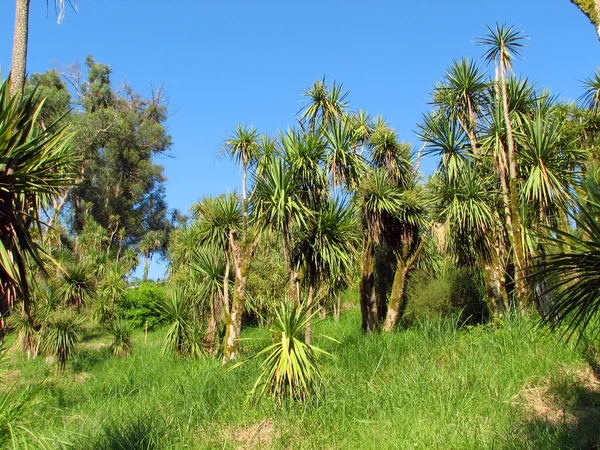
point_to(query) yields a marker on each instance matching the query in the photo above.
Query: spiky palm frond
(446, 139)
(182, 337)
(376, 198)
(303, 155)
(122, 343)
(324, 105)
(243, 145)
(36, 165)
(468, 208)
(591, 92)
(290, 370)
(276, 204)
(344, 165)
(550, 167)
(61, 335)
(572, 275)
(76, 284)
(462, 94)
(503, 44)
(216, 217)
(326, 246)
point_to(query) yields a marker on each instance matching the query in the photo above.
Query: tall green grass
(429, 386)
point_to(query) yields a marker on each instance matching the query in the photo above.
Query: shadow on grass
(567, 416)
(85, 360)
(94, 335)
(145, 431)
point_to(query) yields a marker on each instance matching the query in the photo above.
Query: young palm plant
(183, 336)
(61, 335)
(122, 343)
(290, 369)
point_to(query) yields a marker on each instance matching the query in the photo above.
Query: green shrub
(122, 343)
(289, 369)
(457, 292)
(61, 335)
(139, 305)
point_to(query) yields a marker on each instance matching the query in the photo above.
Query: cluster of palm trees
(311, 190)
(511, 162)
(342, 197)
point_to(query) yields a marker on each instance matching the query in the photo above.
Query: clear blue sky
(225, 62)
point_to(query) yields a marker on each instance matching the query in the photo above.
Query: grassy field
(431, 386)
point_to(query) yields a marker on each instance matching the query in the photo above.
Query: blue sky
(227, 62)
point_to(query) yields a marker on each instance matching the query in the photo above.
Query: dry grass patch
(571, 397)
(261, 435)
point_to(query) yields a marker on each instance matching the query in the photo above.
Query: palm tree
(243, 146)
(41, 164)
(277, 207)
(325, 248)
(61, 335)
(406, 236)
(462, 96)
(572, 295)
(151, 242)
(21, 33)
(376, 199)
(209, 266)
(344, 165)
(503, 44)
(324, 106)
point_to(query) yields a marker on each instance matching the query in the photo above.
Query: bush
(139, 305)
(122, 343)
(458, 292)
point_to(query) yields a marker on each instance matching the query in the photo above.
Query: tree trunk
(493, 274)
(19, 56)
(146, 267)
(212, 328)
(366, 287)
(397, 304)
(337, 307)
(397, 300)
(517, 232)
(233, 320)
(242, 259)
(309, 301)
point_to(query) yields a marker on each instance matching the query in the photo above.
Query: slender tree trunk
(397, 304)
(212, 329)
(494, 277)
(397, 299)
(146, 267)
(518, 247)
(242, 259)
(233, 320)
(366, 287)
(226, 284)
(337, 307)
(19, 56)
(309, 301)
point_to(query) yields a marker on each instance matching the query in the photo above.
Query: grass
(430, 386)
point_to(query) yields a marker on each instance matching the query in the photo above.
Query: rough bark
(397, 299)
(521, 289)
(397, 304)
(309, 305)
(494, 277)
(368, 300)
(19, 56)
(242, 253)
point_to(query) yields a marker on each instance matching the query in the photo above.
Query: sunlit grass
(430, 386)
